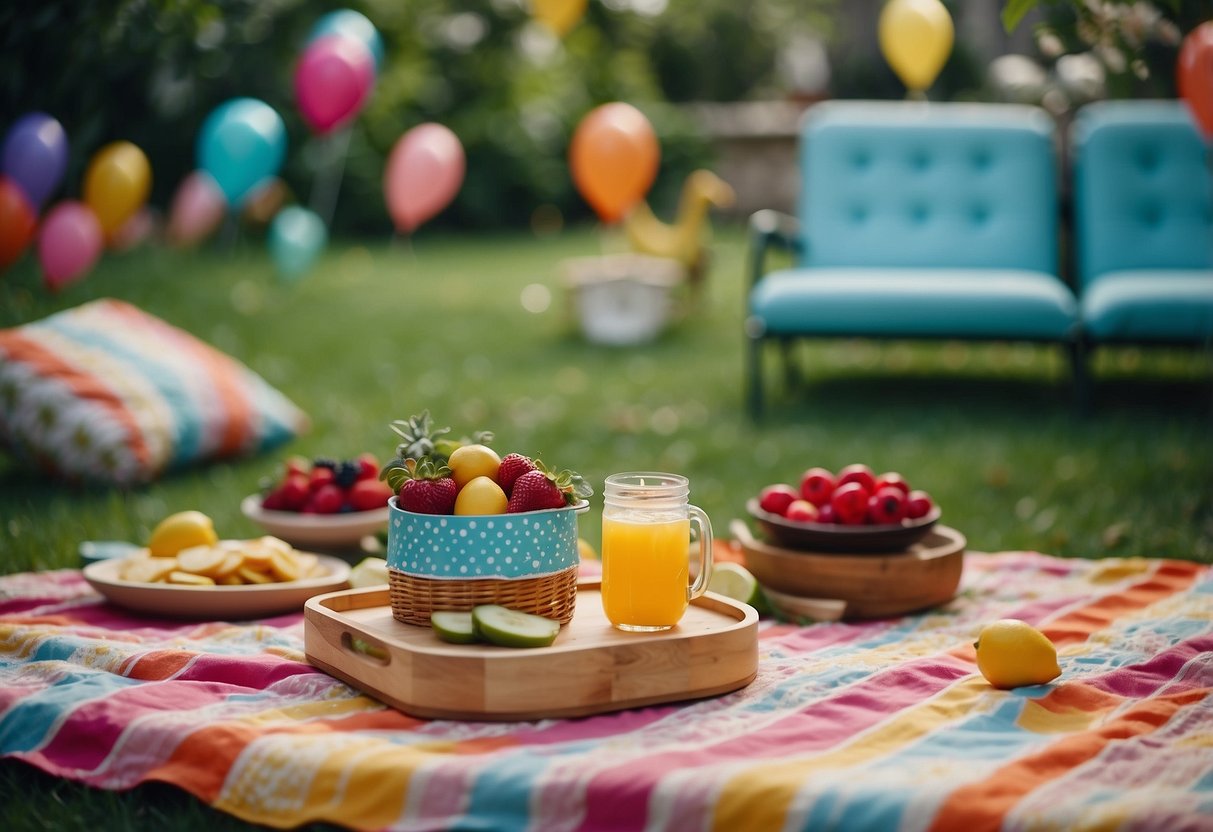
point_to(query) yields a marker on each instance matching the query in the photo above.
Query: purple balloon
(35, 156)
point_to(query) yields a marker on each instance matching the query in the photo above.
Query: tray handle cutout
(367, 649)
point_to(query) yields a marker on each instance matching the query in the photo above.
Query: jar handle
(700, 519)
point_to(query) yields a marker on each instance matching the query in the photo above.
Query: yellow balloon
(916, 39)
(116, 184)
(558, 15)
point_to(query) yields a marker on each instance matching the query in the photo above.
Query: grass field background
(458, 324)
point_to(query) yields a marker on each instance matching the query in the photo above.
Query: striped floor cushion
(107, 392)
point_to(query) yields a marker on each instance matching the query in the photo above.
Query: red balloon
(17, 221)
(1195, 75)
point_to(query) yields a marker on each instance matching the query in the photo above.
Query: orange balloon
(613, 158)
(1195, 75)
(17, 221)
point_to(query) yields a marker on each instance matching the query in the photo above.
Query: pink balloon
(332, 81)
(197, 209)
(424, 172)
(69, 243)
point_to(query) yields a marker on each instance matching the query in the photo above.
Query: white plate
(215, 602)
(315, 530)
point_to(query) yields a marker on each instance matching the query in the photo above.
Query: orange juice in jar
(646, 536)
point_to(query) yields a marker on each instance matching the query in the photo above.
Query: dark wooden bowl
(835, 537)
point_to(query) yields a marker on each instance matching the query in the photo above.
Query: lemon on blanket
(1012, 653)
(181, 531)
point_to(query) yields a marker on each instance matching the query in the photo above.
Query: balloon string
(328, 178)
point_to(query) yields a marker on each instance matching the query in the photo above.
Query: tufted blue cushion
(1143, 220)
(924, 184)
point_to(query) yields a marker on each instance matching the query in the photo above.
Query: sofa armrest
(771, 230)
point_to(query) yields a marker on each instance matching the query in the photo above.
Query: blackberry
(325, 462)
(346, 473)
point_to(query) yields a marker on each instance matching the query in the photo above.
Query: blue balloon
(297, 236)
(351, 24)
(242, 144)
(35, 156)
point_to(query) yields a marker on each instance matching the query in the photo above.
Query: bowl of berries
(853, 510)
(470, 526)
(322, 503)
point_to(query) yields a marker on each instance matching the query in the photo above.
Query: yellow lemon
(1013, 653)
(481, 496)
(470, 461)
(585, 550)
(181, 531)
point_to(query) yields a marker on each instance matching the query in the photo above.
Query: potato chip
(189, 579)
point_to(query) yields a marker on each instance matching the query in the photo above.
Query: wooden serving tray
(591, 668)
(832, 586)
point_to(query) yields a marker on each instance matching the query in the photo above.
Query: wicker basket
(526, 561)
(414, 597)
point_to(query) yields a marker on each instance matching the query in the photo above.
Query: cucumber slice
(455, 627)
(511, 628)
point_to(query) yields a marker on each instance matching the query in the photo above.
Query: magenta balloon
(197, 209)
(69, 243)
(332, 81)
(424, 172)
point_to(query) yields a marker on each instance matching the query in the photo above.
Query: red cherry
(850, 503)
(295, 490)
(825, 514)
(775, 499)
(894, 479)
(802, 511)
(857, 472)
(327, 499)
(816, 486)
(918, 504)
(887, 506)
(320, 477)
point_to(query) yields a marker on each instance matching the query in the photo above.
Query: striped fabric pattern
(872, 725)
(107, 392)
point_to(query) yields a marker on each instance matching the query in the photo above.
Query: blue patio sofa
(1143, 224)
(916, 220)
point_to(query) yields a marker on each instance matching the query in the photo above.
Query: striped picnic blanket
(873, 725)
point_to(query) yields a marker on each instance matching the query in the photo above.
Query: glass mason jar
(646, 546)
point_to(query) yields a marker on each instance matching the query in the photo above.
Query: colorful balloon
(558, 15)
(424, 172)
(297, 236)
(35, 156)
(196, 210)
(916, 39)
(613, 158)
(351, 24)
(17, 222)
(116, 184)
(69, 243)
(332, 82)
(1195, 76)
(242, 143)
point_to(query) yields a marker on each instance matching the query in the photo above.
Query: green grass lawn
(380, 332)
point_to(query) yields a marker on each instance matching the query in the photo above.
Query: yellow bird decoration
(686, 239)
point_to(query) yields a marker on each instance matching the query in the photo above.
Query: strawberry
(426, 489)
(320, 476)
(327, 499)
(367, 495)
(512, 467)
(294, 491)
(368, 466)
(541, 488)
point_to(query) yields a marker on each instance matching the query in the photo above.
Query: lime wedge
(733, 580)
(511, 628)
(455, 627)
